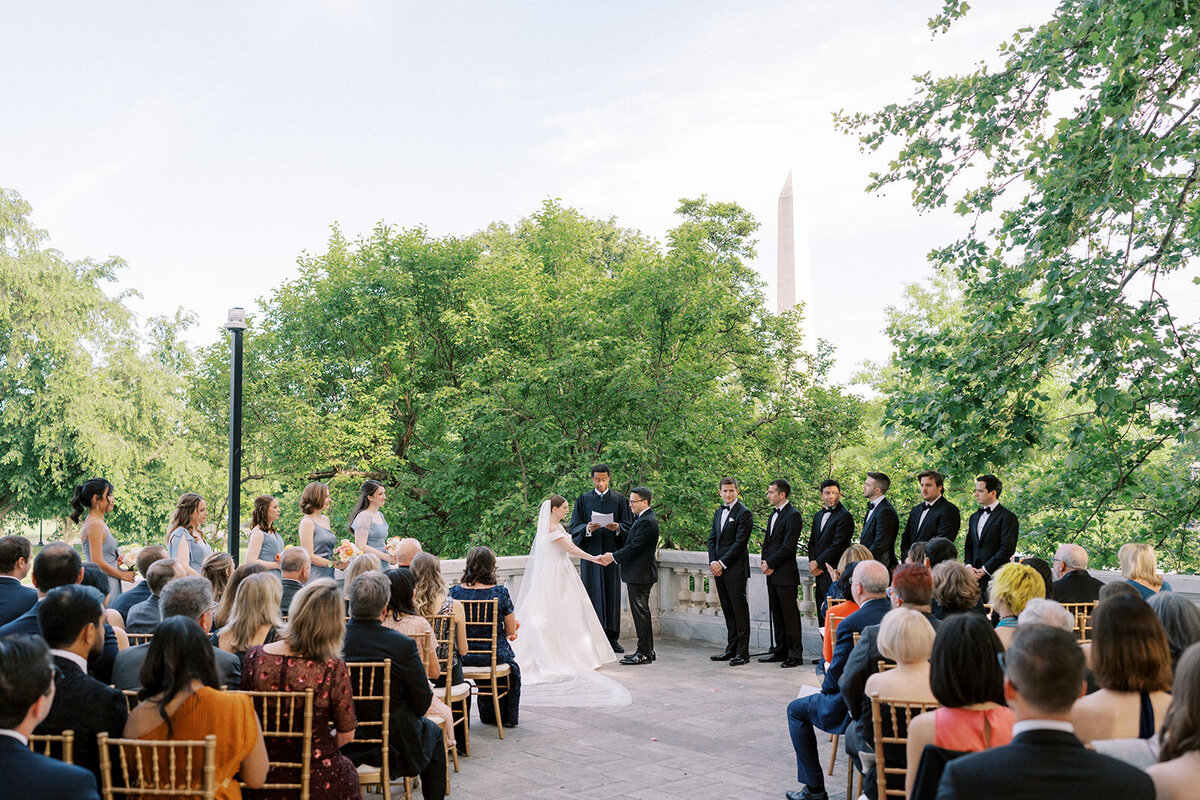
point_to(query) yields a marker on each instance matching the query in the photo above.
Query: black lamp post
(235, 325)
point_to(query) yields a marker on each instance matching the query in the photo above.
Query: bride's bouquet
(127, 558)
(346, 551)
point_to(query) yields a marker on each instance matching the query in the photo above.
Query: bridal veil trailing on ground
(560, 643)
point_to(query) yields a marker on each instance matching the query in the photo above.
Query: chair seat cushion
(485, 672)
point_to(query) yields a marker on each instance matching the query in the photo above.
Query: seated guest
(842, 608)
(58, 564)
(95, 577)
(430, 598)
(938, 550)
(955, 590)
(216, 569)
(1013, 586)
(145, 616)
(966, 678)
(140, 591)
(223, 609)
(916, 554)
(1072, 582)
(367, 562)
(26, 695)
(416, 744)
(839, 591)
(407, 551)
(294, 567)
(180, 701)
(403, 617)
(827, 710)
(1044, 676)
(1043, 569)
(1132, 664)
(1180, 619)
(1046, 612)
(1114, 588)
(307, 656)
(1140, 569)
(1178, 774)
(254, 617)
(16, 556)
(72, 624)
(182, 597)
(479, 583)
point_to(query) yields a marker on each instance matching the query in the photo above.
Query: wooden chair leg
(835, 738)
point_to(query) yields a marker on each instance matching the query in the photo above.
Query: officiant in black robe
(603, 584)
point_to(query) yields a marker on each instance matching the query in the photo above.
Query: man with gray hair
(294, 568)
(416, 741)
(1047, 612)
(145, 616)
(182, 597)
(1072, 582)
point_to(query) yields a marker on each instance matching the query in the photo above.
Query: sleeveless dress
(108, 552)
(272, 546)
(963, 728)
(198, 549)
(561, 643)
(324, 543)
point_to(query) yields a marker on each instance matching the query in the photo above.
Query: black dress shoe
(792, 662)
(616, 646)
(771, 659)
(636, 658)
(723, 657)
(737, 661)
(807, 794)
(816, 660)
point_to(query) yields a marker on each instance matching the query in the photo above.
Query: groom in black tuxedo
(639, 571)
(603, 583)
(729, 562)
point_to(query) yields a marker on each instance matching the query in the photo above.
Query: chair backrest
(139, 638)
(55, 745)
(833, 619)
(371, 683)
(884, 665)
(148, 768)
(131, 698)
(443, 637)
(481, 626)
(1083, 619)
(287, 722)
(426, 648)
(891, 718)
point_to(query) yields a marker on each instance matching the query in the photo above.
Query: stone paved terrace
(696, 729)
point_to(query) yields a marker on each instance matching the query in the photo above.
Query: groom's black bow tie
(826, 510)
(985, 508)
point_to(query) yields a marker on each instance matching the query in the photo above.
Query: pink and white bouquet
(127, 558)
(346, 551)
(393, 545)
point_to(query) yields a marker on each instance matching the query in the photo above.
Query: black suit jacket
(1077, 586)
(827, 708)
(290, 587)
(131, 597)
(414, 739)
(826, 546)
(996, 546)
(1043, 764)
(636, 558)
(943, 519)
(100, 667)
(879, 533)
(128, 666)
(86, 706)
(730, 544)
(15, 599)
(28, 775)
(779, 546)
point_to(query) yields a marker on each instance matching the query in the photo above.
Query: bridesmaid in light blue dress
(316, 535)
(266, 545)
(95, 499)
(185, 542)
(367, 522)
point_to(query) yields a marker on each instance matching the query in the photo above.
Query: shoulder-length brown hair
(1181, 726)
(313, 497)
(1129, 647)
(316, 625)
(262, 507)
(429, 591)
(480, 567)
(185, 509)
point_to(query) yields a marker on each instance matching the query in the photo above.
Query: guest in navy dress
(479, 583)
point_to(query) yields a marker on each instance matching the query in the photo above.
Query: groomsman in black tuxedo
(882, 523)
(639, 571)
(603, 583)
(729, 561)
(783, 575)
(832, 531)
(935, 517)
(991, 532)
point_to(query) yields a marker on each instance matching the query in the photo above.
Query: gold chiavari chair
(287, 721)
(148, 768)
(455, 695)
(891, 718)
(371, 683)
(60, 746)
(490, 680)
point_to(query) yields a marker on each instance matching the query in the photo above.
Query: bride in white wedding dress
(561, 642)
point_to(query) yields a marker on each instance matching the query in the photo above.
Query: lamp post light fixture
(235, 324)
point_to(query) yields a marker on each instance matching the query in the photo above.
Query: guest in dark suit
(783, 575)
(639, 571)
(826, 710)
(1073, 583)
(145, 616)
(882, 523)
(16, 553)
(26, 696)
(1044, 676)
(991, 532)
(182, 597)
(934, 517)
(832, 531)
(729, 561)
(603, 582)
(294, 567)
(72, 619)
(416, 742)
(141, 590)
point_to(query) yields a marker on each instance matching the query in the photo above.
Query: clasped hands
(612, 526)
(605, 560)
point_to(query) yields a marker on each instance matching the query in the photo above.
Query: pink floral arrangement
(346, 551)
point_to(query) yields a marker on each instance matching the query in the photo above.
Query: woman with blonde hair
(316, 535)
(1012, 587)
(254, 615)
(265, 545)
(308, 656)
(1140, 569)
(225, 607)
(185, 541)
(367, 562)
(216, 570)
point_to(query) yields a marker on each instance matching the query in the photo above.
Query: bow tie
(929, 505)
(826, 510)
(727, 508)
(985, 509)
(870, 507)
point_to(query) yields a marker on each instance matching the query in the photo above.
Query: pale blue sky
(210, 143)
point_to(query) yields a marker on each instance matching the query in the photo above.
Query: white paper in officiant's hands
(601, 519)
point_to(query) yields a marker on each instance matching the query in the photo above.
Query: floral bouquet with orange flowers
(127, 558)
(392, 545)
(346, 551)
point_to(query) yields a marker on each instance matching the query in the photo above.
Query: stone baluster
(684, 595)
